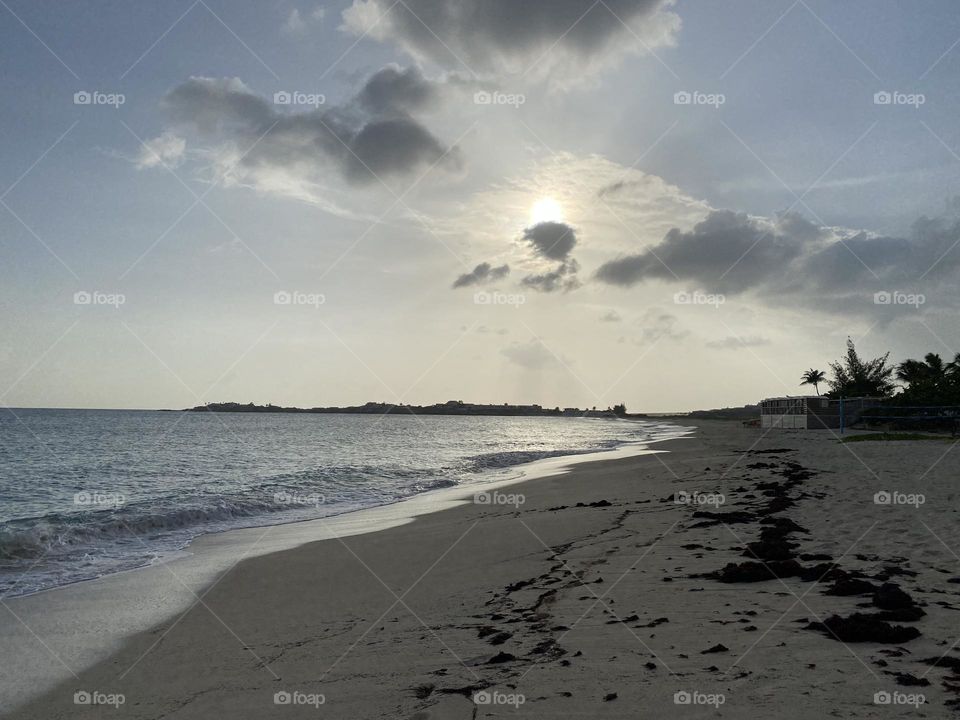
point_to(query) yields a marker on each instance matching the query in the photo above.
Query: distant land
(746, 412)
(458, 407)
(451, 407)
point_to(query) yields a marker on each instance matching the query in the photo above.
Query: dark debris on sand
(864, 627)
(775, 556)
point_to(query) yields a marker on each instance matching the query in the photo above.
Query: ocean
(84, 493)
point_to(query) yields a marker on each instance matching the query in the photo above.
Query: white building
(796, 413)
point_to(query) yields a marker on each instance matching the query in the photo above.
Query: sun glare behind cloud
(546, 210)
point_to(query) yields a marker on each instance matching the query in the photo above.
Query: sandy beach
(696, 582)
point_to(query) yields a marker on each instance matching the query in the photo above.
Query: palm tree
(953, 368)
(926, 380)
(813, 377)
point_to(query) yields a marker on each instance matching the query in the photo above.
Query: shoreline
(530, 470)
(173, 529)
(600, 596)
(210, 553)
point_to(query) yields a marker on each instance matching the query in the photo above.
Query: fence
(914, 417)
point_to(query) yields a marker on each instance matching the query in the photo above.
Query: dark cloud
(616, 187)
(483, 272)
(371, 136)
(564, 278)
(741, 249)
(790, 261)
(611, 316)
(509, 35)
(393, 88)
(733, 342)
(390, 147)
(218, 105)
(552, 240)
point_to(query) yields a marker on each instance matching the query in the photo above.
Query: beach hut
(813, 412)
(794, 412)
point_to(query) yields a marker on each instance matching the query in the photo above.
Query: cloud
(371, 137)
(480, 274)
(788, 260)
(656, 325)
(533, 37)
(166, 149)
(393, 88)
(501, 211)
(297, 24)
(294, 24)
(552, 240)
(611, 316)
(484, 330)
(564, 278)
(727, 249)
(532, 355)
(218, 105)
(733, 342)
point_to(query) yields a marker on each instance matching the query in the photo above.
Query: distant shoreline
(453, 407)
(457, 407)
(730, 413)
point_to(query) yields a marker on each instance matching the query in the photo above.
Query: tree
(620, 410)
(856, 377)
(953, 370)
(930, 380)
(924, 379)
(953, 379)
(813, 377)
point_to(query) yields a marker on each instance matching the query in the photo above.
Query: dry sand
(589, 600)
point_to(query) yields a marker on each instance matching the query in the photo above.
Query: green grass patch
(891, 437)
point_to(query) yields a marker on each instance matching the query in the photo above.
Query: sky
(672, 204)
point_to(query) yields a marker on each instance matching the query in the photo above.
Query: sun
(546, 209)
